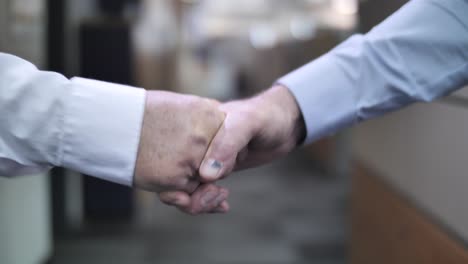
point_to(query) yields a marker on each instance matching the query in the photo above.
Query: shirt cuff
(325, 95)
(102, 125)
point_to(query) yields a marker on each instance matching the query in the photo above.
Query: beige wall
(423, 151)
(462, 93)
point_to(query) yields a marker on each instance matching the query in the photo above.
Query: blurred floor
(287, 212)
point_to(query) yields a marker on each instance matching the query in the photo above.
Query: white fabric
(47, 120)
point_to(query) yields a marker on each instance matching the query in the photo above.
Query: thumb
(220, 158)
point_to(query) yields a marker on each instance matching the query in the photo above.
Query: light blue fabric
(417, 54)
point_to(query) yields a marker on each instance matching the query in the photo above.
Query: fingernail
(211, 169)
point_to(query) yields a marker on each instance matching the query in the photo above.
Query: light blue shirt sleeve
(418, 54)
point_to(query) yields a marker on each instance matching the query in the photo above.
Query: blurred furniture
(420, 152)
(105, 50)
(105, 54)
(155, 36)
(388, 228)
(114, 7)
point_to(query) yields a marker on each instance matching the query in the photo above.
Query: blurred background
(300, 209)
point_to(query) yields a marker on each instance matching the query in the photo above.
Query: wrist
(282, 111)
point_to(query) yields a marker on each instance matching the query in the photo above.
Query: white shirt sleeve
(47, 120)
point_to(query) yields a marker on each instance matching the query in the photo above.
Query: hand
(175, 135)
(255, 131)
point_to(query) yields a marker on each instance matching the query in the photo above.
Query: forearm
(48, 120)
(417, 54)
(22, 118)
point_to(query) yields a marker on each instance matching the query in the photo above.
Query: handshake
(188, 143)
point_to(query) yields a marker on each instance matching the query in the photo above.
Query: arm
(152, 140)
(417, 54)
(47, 120)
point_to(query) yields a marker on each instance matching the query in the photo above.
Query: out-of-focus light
(315, 2)
(345, 7)
(190, 2)
(239, 7)
(302, 28)
(262, 36)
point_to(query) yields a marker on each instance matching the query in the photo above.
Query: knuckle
(199, 140)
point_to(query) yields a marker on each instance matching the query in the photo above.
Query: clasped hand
(188, 143)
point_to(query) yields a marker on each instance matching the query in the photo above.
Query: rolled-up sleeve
(418, 54)
(48, 120)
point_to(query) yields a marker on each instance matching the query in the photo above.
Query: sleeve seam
(63, 127)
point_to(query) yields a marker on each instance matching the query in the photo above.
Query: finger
(225, 206)
(217, 206)
(221, 209)
(208, 198)
(176, 198)
(191, 186)
(221, 156)
(205, 199)
(214, 206)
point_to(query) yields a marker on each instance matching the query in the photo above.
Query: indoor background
(296, 210)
